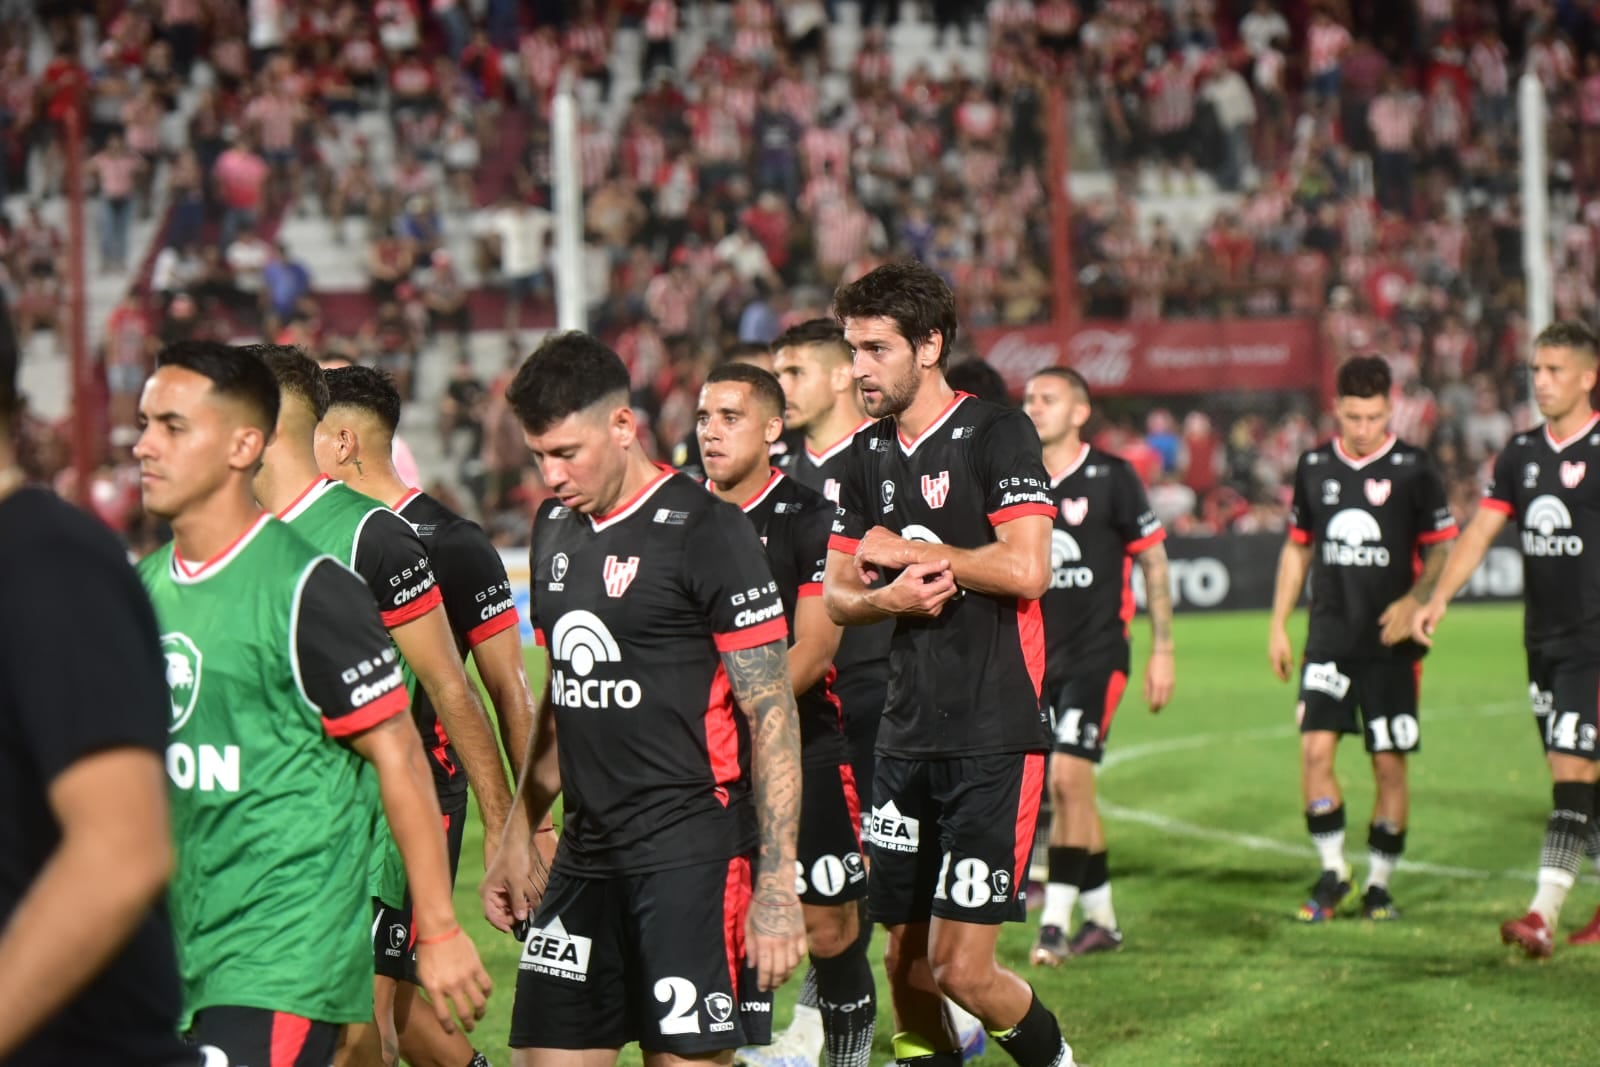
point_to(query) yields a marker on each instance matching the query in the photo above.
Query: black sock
(1568, 829)
(1591, 844)
(479, 1060)
(1036, 1041)
(847, 999)
(1066, 864)
(1096, 871)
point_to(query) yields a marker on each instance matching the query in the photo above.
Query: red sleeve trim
(414, 610)
(1433, 537)
(841, 543)
(809, 589)
(755, 637)
(1496, 504)
(395, 702)
(487, 629)
(1019, 511)
(1136, 547)
(538, 637)
(1299, 536)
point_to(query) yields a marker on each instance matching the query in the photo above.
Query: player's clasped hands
(449, 970)
(514, 883)
(775, 933)
(920, 588)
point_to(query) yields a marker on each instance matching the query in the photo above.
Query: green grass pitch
(1210, 858)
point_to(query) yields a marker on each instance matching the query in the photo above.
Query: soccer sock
(1036, 1041)
(849, 1004)
(914, 1050)
(1384, 847)
(479, 1060)
(1563, 847)
(1096, 897)
(1325, 823)
(1591, 843)
(1066, 866)
(808, 989)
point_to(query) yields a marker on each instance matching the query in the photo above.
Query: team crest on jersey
(1377, 491)
(1330, 492)
(1572, 473)
(397, 938)
(1530, 476)
(1075, 510)
(183, 677)
(936, 488)
(619, 574)
(558, 567)
(887, 488)
(719, 1006)
(830, 489)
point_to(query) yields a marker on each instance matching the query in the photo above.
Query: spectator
(284, 284)
(116, 171)
(521, 236)
(241, 177)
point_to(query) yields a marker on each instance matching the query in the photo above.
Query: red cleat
(1531, 933)
(1590, 934)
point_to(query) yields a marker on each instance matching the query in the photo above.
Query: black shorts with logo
(1081, 710)
(952, 837)
(656, 958)
(862, 689)
(1565, 694)
(828, 864)
(394, 939)
(1377, 698)
(257, 1037)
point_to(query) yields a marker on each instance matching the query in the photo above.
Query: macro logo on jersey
(183, 677)
(936, 488)
(580, 641)
(619, 574)
(1378, 491)
(893, 831)
(1572, 473)
(1064, 551)
(553, 951)
(1075, 510)
(1545, 526)
(1353, 540)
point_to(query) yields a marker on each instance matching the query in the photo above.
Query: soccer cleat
(1326, 896)
(788, 1049)
(1589, 935)
(1051, 950)
(1531, 933)
(1092, 937)
(1378, 905)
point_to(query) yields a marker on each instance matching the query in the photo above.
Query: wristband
(439, 939)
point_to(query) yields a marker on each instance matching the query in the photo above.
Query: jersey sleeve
(1434, 519)
(812, 533)
(390, 556)
(539, 522)
(731, 581)
(1010, 464)
(851, 519)
(1131, 514)
(344, 662)
(1501, 492)
(1300, 508)
(477, 593)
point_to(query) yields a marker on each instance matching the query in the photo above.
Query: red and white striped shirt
(1326, 42)
(1009, 16)
(274, 118)
(1553, 64)
(742, 102)
(644, 153)
(752, 38)
(820, 145)
(1446, 120)
(820, 190)
(1169, 99)
(1489, 68)
(1393, 118)
(799, 98)
(894, 149)
(1447, 239)
(541, 59)
(1056, 18)
(661, 20)
(589, 43)
(980, 168)
(842, 229)
(873, 66)
(596, 150)
(716, 134)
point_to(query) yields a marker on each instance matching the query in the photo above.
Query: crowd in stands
(1365, 155)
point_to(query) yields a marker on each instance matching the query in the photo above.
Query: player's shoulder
(1102, 464)
(790, 497)
(1320, 456)
(431, 519)
(1406, 457)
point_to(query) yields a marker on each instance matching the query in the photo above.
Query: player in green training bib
(282, 682)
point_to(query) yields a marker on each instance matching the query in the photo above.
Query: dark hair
(746, 350)
(1569, 333)
(10, 364)
(911, 294)
(297, 374)
(366, 388)
(981, 380)
(568, 373)
(822, 333)
(1071, 377)
(1364, 377)
(763, 384)
(233, 372)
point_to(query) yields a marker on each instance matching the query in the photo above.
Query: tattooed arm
(1158, 675)
(775, 933)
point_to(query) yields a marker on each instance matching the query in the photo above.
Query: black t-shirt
(636, 609)
(1545, 486)
(968, 682)
(81, 672)
(1103, 520)
(1368, 520)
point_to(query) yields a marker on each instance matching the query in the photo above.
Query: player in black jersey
(662, 619)
(946, 495)
(354, 443)
(1541, 479)
(1366, 506)
(1103, 523)
(739, 416)
(686, 453)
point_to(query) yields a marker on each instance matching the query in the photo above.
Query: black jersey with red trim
(1102, 520)
(477, 601)
(824, 471)
(636, 609)
(1544, 485)
(966, 682)
(1367, 521)
(794, 523)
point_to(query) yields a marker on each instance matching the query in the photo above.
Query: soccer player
(686, 453)
(281, 681)
(1103, 523)
(1365, 506)
(946, 496)
(662, 620)
(87, 969)
(354, 444)
(739, 417)
(1541, 480)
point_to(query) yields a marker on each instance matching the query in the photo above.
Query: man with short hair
(739, 418)
(663, 621)
(282, 681)
(1541, 480)
(947, 497)
(1371, 523)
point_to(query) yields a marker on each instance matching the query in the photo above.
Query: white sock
(1096, 904)
(1059, 900)
(1554, 885)
(1331, 848)
(1380, 869)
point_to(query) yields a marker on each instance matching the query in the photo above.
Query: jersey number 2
(682, 1017)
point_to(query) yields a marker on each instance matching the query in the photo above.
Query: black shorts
(952, 837)
(394, 939)
(862, 690)
(1565, 694)
(1377, 698)
(1081, 709)
(656, 958)
(828, 865)
(257, 1037)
